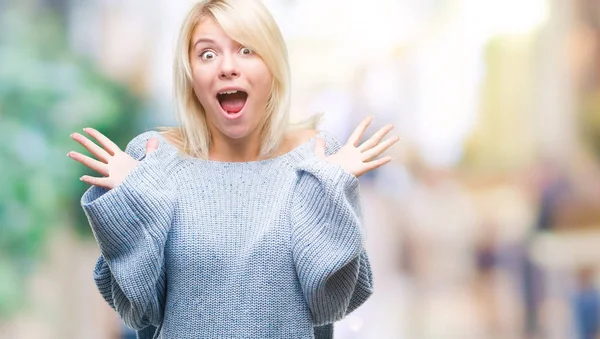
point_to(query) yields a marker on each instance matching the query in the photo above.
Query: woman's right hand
(113, 164)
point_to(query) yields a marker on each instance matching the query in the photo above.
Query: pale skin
(113, 164)
(218, 64)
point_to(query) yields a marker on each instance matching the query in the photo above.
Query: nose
(229, 69)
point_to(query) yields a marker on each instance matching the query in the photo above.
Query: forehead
(208, 27)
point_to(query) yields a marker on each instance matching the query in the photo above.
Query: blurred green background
(46, 93)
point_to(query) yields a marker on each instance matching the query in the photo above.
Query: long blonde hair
(251, 24)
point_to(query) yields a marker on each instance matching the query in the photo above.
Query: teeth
(228, 92)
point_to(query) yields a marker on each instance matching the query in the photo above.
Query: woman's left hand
(359, 159)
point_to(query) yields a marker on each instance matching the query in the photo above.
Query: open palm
(360, 159)
(112, 163)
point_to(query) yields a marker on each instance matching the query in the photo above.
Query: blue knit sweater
(196, 248)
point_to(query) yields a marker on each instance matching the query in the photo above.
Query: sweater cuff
(141, 205)
(331, 175)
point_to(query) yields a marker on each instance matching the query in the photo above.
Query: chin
(235, 127)
(236, 132)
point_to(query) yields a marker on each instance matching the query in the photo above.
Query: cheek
(201, 86)
(263, 80)
(266, 75)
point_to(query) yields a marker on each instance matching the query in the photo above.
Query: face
(231, 82)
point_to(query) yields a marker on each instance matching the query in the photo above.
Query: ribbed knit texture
(204, 249)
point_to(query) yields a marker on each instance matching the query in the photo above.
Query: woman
(232, 225)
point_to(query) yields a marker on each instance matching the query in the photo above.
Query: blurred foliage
(502, 139)
(46, 93)
(590, 120)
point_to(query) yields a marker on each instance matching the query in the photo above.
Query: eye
(208, 55)
(245, 51)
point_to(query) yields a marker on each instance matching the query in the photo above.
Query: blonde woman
(233, 224)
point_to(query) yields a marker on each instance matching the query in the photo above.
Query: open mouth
(232, 102)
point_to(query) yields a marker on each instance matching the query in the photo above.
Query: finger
(371, 165)
(320, 148)
(377, 150)
(359, 131)
(101, 182)
(151, 145)
(106, 143)
(376, 138)
(96, 150)
(93, 164)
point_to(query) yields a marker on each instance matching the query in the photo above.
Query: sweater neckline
(285, 156)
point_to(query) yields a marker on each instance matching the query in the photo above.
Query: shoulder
(297, 138)
(137, 146)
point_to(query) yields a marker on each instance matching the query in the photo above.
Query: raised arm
(327, 226)
(130, 222)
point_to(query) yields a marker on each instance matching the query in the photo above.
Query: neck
(235, 150)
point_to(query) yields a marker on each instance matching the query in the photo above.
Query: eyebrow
(205, 40)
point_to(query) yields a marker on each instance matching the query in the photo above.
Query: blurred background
(486, 225)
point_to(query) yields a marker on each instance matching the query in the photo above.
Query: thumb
(320, 148)
(151, 145)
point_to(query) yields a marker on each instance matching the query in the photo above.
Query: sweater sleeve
(130, 223)
(328, 239)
